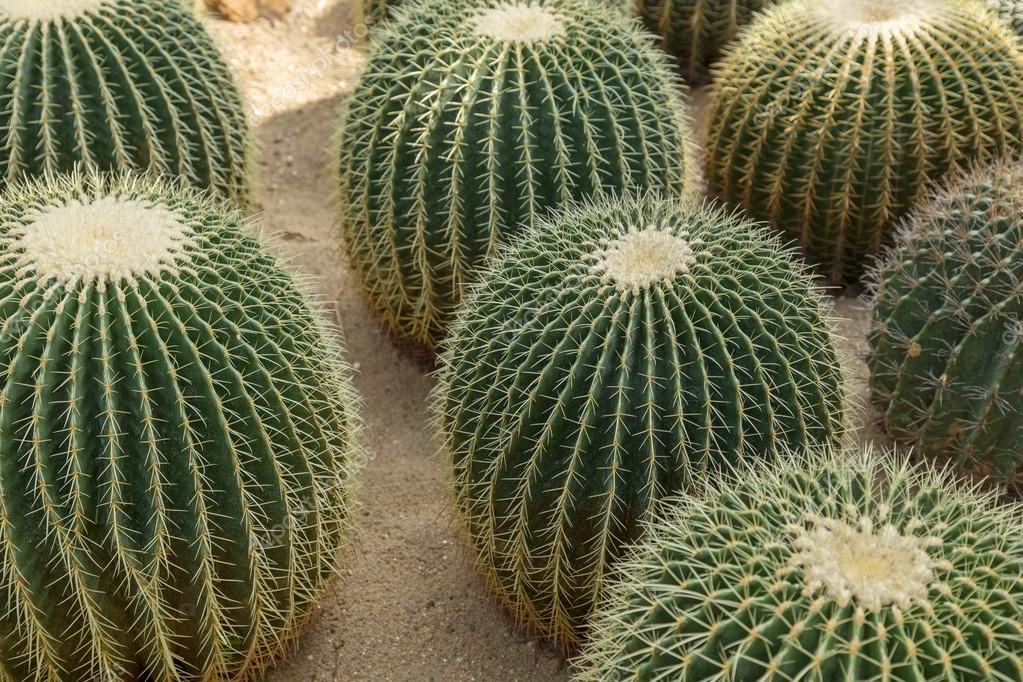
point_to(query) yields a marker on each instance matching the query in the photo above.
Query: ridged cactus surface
(118, 85)
(946, 342)
(696, 32)
(822, 569)
(1011, 11)
(375, 11)
(833, 116)
(475, 117)
(616, 354)
(177, 439)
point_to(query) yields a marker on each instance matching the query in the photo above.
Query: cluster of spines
(442, 157)
(178, 452)
(830, 123)
(127, 86)
(570, 403)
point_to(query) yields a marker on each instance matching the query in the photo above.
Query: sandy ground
(407, 606)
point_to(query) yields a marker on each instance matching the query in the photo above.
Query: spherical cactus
(118, 85)
(832, 116)
(475, 117)
(177, 438)
(832, 568)
(615, 355)
(946, 343)
(697, 31)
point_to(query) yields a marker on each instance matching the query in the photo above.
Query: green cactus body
(376, 11)
(697, 31)
(1011, 11)
(474, 118)
(833, 567)
(177, 438)
(832, 116)
(946, 343)
(118, 85)
(613, 356)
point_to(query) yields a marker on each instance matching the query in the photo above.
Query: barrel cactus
(616, 354)
(697, 31)
(118, 85)
(177, 438)
(833, 116)
(475, 117)
(822, 569)
(946, 342)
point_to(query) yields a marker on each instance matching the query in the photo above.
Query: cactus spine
(832, 116)
(697, 31)
(475, 117)
(118, 85)
(376, 11)
(820, 569)
(946, 342)
(615, 355)
(177, 438)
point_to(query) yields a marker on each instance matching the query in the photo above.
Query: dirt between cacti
(406, 606)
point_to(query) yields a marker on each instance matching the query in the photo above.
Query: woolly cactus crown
(833, 116)
(825, 567)
(473, 119)
(118, 85)
(615, 354)
(178, 437)
(946, 359)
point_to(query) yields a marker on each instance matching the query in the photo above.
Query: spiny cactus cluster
(697, 31)
(475, 117)
(825, 568)
(177, 438)
(118, 85)
(832, 116)
(946, 343)
(614, 355)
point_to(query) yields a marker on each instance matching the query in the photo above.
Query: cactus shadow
(298, 199)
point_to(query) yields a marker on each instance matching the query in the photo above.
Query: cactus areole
(177, 438)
